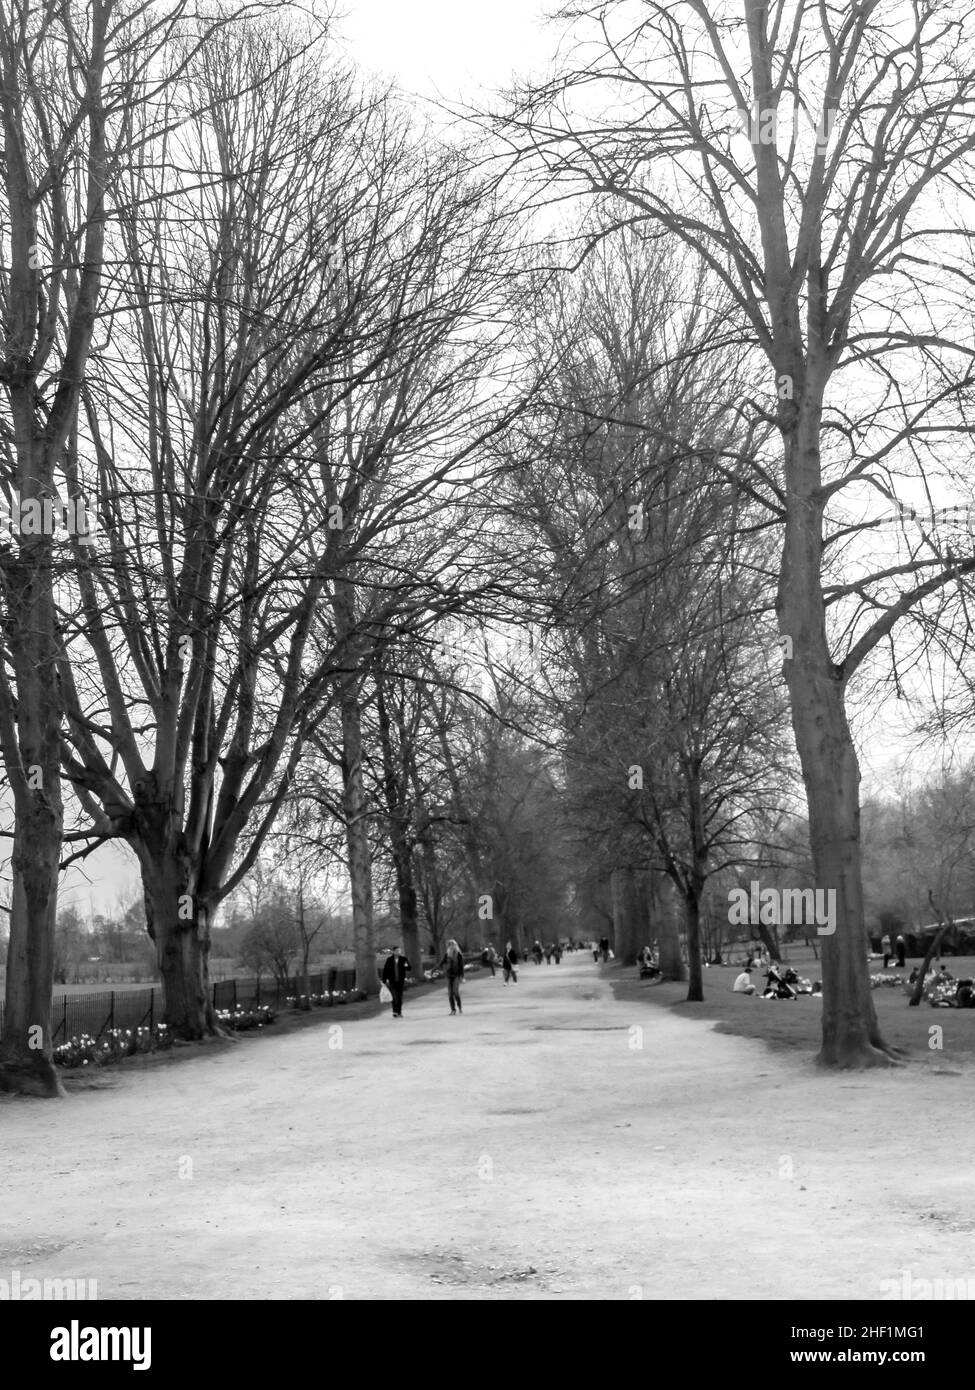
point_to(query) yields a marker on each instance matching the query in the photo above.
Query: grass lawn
(798, 1025)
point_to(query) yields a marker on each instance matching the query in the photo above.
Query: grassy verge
(797, 1026)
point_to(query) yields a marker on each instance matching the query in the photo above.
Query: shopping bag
(385, 995)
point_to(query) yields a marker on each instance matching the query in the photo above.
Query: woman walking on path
(453, 964)
(509, 960)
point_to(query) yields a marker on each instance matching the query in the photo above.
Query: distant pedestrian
(595, 950)
(885, 948)
(394, 977)
(604, 948)
(548, 954)
(489, 957)
(508, 962)
(900, 946)
(557, 953)
(453, 966)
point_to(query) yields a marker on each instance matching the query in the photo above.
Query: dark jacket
(511, 956)
(394, 971)
(454, 965)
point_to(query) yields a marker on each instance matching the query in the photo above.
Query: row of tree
(344, 432)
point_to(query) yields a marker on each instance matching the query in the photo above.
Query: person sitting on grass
(743, 984)
(777, 985)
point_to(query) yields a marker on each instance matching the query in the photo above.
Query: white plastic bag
(385, 995)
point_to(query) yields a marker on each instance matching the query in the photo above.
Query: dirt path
(534, 1147)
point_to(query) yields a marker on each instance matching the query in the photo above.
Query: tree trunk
(628, 927)
(769, 938)
(26, 1065)
(663, 921)
(395, 789)
(357, 841)
(933, 949)
(32, 757)
(851, 1036)
(179, 926)
(695, 984)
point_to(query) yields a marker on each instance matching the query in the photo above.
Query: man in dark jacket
(394, 976)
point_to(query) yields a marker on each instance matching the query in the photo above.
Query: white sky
(448, 47)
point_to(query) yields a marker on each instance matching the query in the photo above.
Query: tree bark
(357, 841)
(695, 973)
(396, 792)
(932, 951)
(628, 926)
(663, 920)
(851, 1035)
(26, 1063)
(178, 923)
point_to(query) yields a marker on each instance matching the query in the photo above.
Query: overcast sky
(448, 47)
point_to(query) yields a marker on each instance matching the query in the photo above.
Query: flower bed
(86, 1051)
(326, 999)
(240, 1020)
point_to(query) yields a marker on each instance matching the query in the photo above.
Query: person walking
(604, 948)
(508, 962)
(394, 978)
(489, 957)
(900, 946)
(885, 948)
(537, 952)
(453, 966)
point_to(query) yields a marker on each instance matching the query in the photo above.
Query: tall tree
(71, 73)
(298, 409)
(818, 161)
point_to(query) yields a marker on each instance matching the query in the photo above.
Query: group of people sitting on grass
(781, 982)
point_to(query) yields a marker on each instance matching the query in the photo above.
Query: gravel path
(539, 1146)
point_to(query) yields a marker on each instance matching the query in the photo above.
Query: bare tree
(839, 234)
(304, 392)
(71, 73)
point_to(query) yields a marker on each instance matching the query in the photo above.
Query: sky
(446, 47)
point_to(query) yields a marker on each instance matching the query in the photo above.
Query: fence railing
(98, 1012)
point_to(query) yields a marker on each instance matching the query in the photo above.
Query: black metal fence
(98, 1012)
(252, 994)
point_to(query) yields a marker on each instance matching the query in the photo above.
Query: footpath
(551, 1142)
